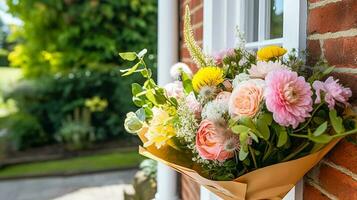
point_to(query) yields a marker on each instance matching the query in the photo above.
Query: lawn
(116, 160)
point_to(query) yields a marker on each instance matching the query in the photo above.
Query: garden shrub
(53, 98)
(24, 131)
(60, 35)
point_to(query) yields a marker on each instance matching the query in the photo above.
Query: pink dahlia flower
(333, 92)
(219, 56)
(214, 142)
(288, 97)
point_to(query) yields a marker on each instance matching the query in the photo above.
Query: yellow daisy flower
(269, 52)
(207, 76)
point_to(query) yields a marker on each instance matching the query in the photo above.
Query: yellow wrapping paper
(271, 182)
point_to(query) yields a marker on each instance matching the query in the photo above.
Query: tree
(60, 35)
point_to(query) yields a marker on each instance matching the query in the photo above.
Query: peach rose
(214, 142)
(246, 98)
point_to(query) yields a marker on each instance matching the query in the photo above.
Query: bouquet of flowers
(246, 125)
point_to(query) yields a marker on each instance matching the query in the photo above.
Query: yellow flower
(207, 76)
(160, 130)
(269, 52)
(96, 104)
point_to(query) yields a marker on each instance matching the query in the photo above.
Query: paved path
(58, 187)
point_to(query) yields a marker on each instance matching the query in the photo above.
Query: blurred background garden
(62, 99)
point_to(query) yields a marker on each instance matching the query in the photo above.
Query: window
(263, 22)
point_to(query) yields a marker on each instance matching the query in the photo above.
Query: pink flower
(174, 89)
(219, 56)
(333, 92)
(193, 104)
(246, 98)
(262, 68)
(214, 142)
(288, 97)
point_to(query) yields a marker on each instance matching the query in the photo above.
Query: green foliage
(60, 35)
(77, 132)
(148, 94)
(25, 131)
(51, 99)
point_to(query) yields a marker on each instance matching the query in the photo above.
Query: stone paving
(63, 188)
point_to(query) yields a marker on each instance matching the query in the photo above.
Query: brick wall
(332, 34)
(189, 189)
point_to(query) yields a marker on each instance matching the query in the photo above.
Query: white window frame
(220, 20)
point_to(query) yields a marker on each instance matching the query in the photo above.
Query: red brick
(345, 155)
(337, 183)
(333, 17)
(313, 51)
(348, 80)
(198, 33)
(341, 52)
(197, 16)
(311, 193)
(185, 53)
(189, 189)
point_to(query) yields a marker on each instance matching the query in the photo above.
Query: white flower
(174, 89)
(179, 67)
(214, 110)
(240, 78)
(262, 68)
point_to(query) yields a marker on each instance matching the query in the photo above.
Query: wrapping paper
(271, 182)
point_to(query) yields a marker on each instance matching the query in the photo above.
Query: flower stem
(299, 136)
(298, 150)
(308, 122)
(253, 156)
(345, 133)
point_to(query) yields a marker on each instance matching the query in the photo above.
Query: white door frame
(167, 179)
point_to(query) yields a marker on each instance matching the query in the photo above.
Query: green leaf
(242, 154)
(247, 121)
(130, 56)
(320, 130)
(238, 129)
(328, 71)
(146, 73)
(187, 83)
(282, 136)
(142, 53)
(263, 127)
(141, 114)
(131, 70)
(138, 101)
(324, 138)
(267, 118)
(254, 137)
(136, 89)
(160, 96)
(337, 122)
(151, 97)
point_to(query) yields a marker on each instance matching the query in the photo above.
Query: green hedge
(60, 35)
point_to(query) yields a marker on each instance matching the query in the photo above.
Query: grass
(75, 165)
